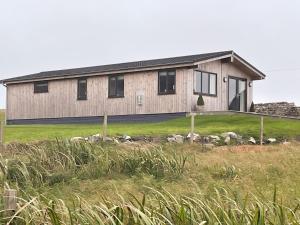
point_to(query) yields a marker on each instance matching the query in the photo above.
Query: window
(40, 87)
(82, 89)
(166, 82)
(116, 86)
(205, 83)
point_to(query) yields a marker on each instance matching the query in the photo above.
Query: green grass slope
(245, 125)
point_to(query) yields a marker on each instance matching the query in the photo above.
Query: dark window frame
(168, 92)
(205, 94)
(36, 90)
(79, 97)
(115, 95)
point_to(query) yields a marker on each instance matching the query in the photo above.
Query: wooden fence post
(104, 126)
(261, 130)
(2, 133)
(192, 128)
(10, 201)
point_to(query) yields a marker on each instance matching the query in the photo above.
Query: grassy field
(116, 173)
(242, 124)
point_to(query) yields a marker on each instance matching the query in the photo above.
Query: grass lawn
(242, 124)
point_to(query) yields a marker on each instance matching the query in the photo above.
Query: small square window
(40, 87)
(166, 82)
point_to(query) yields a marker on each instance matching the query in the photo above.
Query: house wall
(219, 102)
(61, 100)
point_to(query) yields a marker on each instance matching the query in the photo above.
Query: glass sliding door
(237, 94)
(232, 94)
(242, 95)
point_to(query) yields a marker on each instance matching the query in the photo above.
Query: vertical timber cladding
(219, 102)
(61, 100)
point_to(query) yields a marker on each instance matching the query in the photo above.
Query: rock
(232, 135)
(271, 140)
(286, 143)
(227, 140)
(195, 136)
(76, 139)
(252, 140)
(94, 138)
(214, 138)
(138, 138)
(176, 138)
(116, 141)
(126, 137)
(107, 139)
(205, 139)
(170, 139)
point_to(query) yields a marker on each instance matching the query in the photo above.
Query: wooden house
(150, 90)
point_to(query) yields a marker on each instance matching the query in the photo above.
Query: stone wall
(278, 108)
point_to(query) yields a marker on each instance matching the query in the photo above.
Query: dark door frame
(237, 91)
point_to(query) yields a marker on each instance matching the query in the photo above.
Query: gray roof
(118, 67)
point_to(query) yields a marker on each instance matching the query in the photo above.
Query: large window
(82, 89)
(205, 83)
(166, 82)
(40, 87)
(116, 86)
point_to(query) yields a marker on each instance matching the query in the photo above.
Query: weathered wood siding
(220, 102)
(61, 100)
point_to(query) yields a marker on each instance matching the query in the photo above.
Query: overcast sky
(44, 35)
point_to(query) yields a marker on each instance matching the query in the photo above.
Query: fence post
(10, 201)
(104, 126)
(1, 133)
(192, 128)
(261, 130)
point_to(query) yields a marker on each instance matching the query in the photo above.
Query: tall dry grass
(162, 208)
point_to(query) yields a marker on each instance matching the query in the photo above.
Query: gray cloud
(54, 34)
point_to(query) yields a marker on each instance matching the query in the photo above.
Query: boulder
(232, 135)
(126, 138)
(252, 140)
(176, 138)
(195, 136)
(271, 140)
(107, 139)
(205, 139)
(138, 138)
(227, 140)
(116, 141)
(94, 138)
(76, 139)
(214, 138)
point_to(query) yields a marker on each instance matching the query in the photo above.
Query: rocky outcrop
(278, 108)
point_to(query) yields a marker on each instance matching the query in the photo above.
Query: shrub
(200, 101)
(252, 107)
